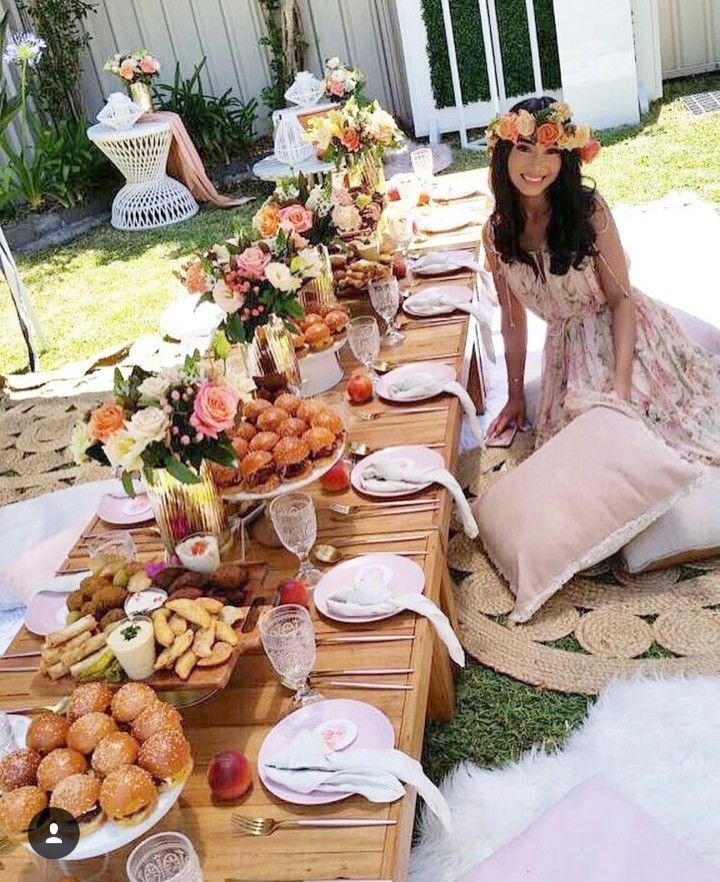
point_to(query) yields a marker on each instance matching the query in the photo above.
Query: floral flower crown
(551, 127)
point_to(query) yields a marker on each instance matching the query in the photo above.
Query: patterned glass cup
(422, 163)
(385, 298)
(364, 339)
(295, 522)
(164, 857)
(288, 638)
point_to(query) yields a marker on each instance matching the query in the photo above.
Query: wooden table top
(240, 717)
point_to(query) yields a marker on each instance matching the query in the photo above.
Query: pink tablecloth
(594, 835)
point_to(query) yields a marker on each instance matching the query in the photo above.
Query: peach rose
(252, 262)
(195, 279)
(547, 134)
(336, 87)
(149, 65)
(590, 150)
(351, 139)
(214, 409)
(297, 217)
(507, 129)
(106, 420)
(267, 220)
(127, 69)
(525, 124)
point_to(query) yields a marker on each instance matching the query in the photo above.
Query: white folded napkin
(385, 475)
(369, 595)
(437, 303)
(411, 386)
(305, 765)
(439, 262)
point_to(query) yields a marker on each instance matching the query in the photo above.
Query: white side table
(149, 198)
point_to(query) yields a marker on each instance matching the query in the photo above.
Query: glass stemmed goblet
(288, 638)
(385, 298)
(295, 522)
(364, 339)
(422, 163)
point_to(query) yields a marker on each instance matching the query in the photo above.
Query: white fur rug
(655, 741)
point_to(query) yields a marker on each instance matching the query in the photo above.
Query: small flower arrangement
(353, 133)
(550, 127)
(342, 82)
(304, 213)
(253, 280)
(174, 420)
(139, 66)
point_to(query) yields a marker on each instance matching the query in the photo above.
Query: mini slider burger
(18, 769)
(318, 336)
(79, 795)
(60, 764)
(115, 750)
(128, 796)
(86, 733)
(259, 473)
(154, 719)
(18, 808)
(166, 756)
(88, 698)
(322, 442)
(131, 700)
(253, 409)
(47, 732)
(292, 457)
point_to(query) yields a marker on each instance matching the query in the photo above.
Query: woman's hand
(513, 412)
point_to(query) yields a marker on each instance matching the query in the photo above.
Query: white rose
(222, 295)
(154, 387)
(222, 253)
(346, 218)
(332, 63)
(280, 277)
(148, 424)
(312, 262)
(124, 452)
(171, 375)
(80, 440)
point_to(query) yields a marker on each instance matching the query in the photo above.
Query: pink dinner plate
(122, 511)
(403, 577)
(443, 373)
(453, 293)
(46, 612)
(375, 731)
(420, 457)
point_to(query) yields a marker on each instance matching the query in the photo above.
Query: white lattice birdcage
(290, 147)
(306, 90)
(120, 112)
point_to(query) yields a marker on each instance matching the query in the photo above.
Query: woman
(553, 248)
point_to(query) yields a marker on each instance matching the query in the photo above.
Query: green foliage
(9, 106)
(514, 44)
(56, 84)
(221, 128)
(285, 60)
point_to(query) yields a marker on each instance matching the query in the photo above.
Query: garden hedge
(514, 45)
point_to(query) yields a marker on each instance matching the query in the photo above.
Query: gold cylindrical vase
(141, 94)
(320, 291)
(183, 509)
(271, 358)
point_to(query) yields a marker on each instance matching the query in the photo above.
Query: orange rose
(351, 139)
(507, 128)
(195, 279)
(105, 421)
(267, 221)
(547, 134)
(590, 150)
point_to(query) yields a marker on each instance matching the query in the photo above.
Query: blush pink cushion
(578, 499)
(594, 835)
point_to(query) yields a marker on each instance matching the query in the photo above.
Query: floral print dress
(675, 383)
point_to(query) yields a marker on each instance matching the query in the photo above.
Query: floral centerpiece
(302, 211)
(252, 281)
(342, 82)
(137, 70)
(354, 137)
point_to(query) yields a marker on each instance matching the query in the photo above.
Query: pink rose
(149, 65)
(252, 262)
(299, 218)
(127, 69)
(336, 88)
(214, 409)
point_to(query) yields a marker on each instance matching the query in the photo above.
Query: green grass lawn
(109, 287)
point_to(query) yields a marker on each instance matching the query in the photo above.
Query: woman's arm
(514, 331)
(615, 282)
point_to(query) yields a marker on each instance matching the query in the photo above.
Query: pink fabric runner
(184, 163)
(594, 835)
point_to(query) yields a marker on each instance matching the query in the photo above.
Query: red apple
(337, 478)
(229, 775)
(392, 193)
(360, 388)
(293, 591)
(399, 267)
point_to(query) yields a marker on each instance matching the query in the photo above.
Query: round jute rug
(34, 453)
(603, 624)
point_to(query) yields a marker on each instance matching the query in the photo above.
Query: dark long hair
(570, 235)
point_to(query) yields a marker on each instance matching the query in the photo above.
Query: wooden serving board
(147, 541)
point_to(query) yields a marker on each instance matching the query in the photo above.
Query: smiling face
(533, 168)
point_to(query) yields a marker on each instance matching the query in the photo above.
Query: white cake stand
(320, 371)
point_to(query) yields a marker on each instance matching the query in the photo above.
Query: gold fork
(58, 708)
(376, 414)
(267, 826)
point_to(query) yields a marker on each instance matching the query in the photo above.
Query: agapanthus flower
(26, 48)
